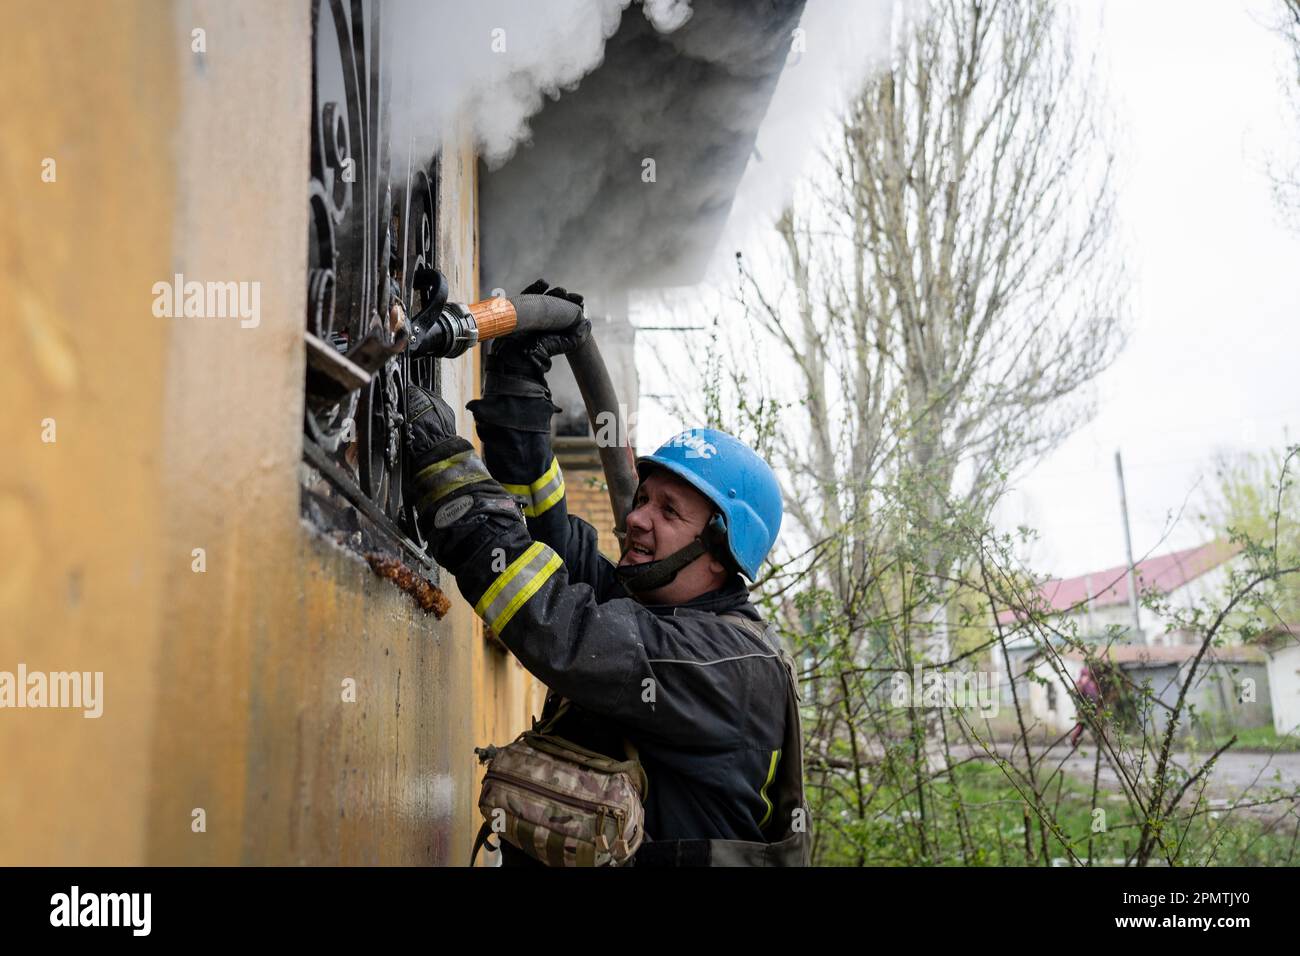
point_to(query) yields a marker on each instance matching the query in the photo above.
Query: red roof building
(1109, 588)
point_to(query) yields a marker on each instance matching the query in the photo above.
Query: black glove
(429, 423)
(514, 384)
(438, 461)
(457, 501)
(528, 355)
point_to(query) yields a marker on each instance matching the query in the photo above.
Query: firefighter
(637, 649)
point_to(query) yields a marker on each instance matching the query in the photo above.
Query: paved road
(1235, 777)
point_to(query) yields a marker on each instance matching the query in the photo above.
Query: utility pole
(1128, 549)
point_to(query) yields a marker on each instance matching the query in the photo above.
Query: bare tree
(942, 292)
(1286, 174)
(943, 287)
(882, 798)
(948, 283)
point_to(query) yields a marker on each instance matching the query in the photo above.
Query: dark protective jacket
(703, 700)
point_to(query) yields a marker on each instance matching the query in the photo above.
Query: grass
(1252, 738)
(977, 818)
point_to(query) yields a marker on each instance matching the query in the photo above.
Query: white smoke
(837, 46)
(667, 15)
(493, 63)
(627, 181)
(490, 68)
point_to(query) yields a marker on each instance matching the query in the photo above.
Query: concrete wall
(1063, 716)
(1284, 687)
(1214, 695)
(222, 689)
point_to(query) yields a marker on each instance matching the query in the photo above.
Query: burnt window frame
(372, 255)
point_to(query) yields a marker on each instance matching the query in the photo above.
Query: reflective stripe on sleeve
(549, 488)
(516, 584)
(522, 494)
(542, 494)
(443, 477)
(771, 775)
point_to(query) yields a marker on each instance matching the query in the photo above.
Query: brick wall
(585, 490)
(587, 498)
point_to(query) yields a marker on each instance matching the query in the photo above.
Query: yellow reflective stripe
(442, 491)
(548, 489)
(521, 494)
(771, 775)
(540, 496)
(506, 576)
(441, 466)
(451, 474)
(550, 473)
(550, 500)
(503, 599)
(552, 565)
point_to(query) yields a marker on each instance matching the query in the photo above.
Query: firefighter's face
(666, 516)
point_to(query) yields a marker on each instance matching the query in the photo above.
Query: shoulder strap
(767, 634)
(483, 832)
(547, 726)
(758, 628)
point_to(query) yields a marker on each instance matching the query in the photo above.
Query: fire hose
(445, 329)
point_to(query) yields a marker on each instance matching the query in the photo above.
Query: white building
(1095, 607)
(1283, 649)
(1232, 686)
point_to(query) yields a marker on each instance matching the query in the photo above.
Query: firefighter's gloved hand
(542, 287)
(442, 472)
(515, 395)
(429, 423)
(528, 355)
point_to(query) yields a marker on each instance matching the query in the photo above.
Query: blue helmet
(740, 484)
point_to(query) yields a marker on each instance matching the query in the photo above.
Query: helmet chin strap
(638, 578)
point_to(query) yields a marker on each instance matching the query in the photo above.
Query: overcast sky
(1214, 343)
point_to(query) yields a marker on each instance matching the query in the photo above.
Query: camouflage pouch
(560, 803)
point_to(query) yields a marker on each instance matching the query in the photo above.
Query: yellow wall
(222, 689)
